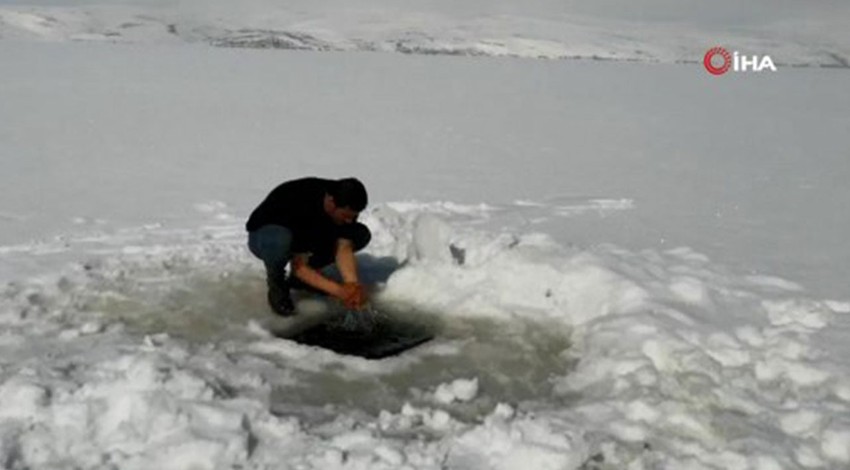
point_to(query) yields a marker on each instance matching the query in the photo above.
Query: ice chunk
(835, 444)
(801, 423)
(690, 290)
(458, 390)
(390, 455)
(27, 398)
(430, 239)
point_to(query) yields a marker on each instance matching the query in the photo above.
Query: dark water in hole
(365, 334)
(514, 360)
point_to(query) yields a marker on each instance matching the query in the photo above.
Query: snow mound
(549, 356)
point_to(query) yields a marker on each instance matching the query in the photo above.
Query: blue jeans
(272, 244)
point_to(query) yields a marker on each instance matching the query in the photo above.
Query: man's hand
(354, 296)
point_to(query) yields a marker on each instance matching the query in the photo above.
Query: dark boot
(279, 299)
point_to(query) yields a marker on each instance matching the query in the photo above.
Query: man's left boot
(279, 298)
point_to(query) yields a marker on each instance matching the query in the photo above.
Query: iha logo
(718, 61)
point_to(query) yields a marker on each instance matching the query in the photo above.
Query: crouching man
(310, 223)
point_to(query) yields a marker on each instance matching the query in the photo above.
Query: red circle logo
(727, 60)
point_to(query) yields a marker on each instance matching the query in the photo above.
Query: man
(310, 223)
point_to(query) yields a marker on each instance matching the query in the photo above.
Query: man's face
(340, 215)
(344, 215)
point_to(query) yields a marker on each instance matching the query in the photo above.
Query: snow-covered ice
(629, 265)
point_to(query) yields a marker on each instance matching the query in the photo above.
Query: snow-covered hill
(792, 32)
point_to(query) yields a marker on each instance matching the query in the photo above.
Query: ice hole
(515, 360)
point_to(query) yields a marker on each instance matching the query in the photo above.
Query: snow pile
(674, 362)
(504, 443)
(678, 359)
(133, 412)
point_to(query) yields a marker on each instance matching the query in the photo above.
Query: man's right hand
(353, 296)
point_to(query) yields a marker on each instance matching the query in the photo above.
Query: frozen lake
(628, 264)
